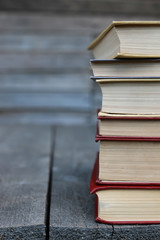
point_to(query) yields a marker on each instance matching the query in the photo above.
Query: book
(130, 96)
(100, 181)
(125, 204)
(126, 68)
(128, 39)
(128, 125)
(129, 159)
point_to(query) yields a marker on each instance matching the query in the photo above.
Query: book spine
(126, 138)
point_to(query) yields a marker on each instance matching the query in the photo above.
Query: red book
(125, 204)
(131, 126)
(129, 159)
(99, 183)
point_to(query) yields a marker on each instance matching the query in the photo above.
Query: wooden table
(37, 203)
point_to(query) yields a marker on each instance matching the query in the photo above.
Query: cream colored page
(133, 161)
(129, 205)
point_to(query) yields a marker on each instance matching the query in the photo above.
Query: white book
(128, 39)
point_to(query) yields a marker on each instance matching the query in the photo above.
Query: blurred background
(44, 62)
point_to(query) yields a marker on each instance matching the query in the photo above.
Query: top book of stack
(128, 39)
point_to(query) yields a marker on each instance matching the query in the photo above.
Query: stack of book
(126, 175)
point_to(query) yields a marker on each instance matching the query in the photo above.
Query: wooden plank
(55, 43)
(133, 232)
(44, 62)
(45, 101)
(72, 206)
(24, 161)
(74, 25)
(148, 7)
(79, 152)
(23, 82)
(47, 117)
(17, 139)
(37, 22)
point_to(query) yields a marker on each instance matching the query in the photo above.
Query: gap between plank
(48, 199)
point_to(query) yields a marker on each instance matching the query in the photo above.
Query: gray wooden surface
(25, 155)
(44, 80)
(44, 70)
(72, 206)
(147, 7)
(44, 194)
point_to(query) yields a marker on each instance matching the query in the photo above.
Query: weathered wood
(148, 7)
(42, 69)
(80, 25)
(69, 82)
(24, 175)
(44, 62)
(79, 152)
(45, 101)
(36, 22)
(55, 43)
(29, 139)
(47, 117)
(72, 216)
(133, 232)
(31, 22)
(72, 207)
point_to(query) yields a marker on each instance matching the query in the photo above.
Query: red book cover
(95, 183)
(125, 138)
(95, 186)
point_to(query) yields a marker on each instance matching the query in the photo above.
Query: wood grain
(43, 62)
(24, 174)
(44, 67)
(148, 7)
(45, 101)
(146, 232)
(43, 53)
(23, 22)
(45, 82)
(55, 43)
(75, 25)
(72, 206)
(47, 117)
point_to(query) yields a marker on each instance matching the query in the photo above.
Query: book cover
(95, 187)
(121, 23)
(128, 39)
(124, 138)
(96, 183)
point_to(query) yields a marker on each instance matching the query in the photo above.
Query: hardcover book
(115, 69)
(125, 204)
(129, 159)
(128, 39)
(100, 181)
(130, 96)
(128, 125)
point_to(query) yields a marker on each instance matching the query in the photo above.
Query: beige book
(128, 39)
(132, 96)
(144, 126)
(129, 161)
(128, 205)
(143, 68)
